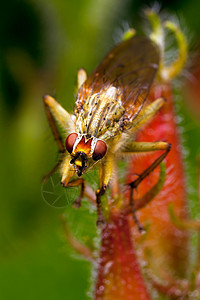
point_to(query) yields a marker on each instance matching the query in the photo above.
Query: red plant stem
(119, 275)
(167, 246)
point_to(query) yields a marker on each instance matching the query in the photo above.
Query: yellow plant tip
(157, 34)
(129, 34)
(182, 224)
(171, 71)
(153, 19)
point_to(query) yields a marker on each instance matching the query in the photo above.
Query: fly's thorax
(101, 114)
(116, 143)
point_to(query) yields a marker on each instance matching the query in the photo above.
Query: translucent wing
(130, 67)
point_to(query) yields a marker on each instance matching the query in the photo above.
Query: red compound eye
(99, 150)
(70, 140)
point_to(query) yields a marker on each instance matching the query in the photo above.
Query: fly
(110, 107)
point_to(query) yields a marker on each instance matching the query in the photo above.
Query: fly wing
(130, 67)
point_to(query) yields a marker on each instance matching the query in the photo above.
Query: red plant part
(119, 275)
(165, 246)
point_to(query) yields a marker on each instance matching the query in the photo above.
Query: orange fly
(110, 107)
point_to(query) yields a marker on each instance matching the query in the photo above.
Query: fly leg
(68, 171)
(106, 171)
(85, 190)
(146, 115)
(137, 147)
(135, 218)
(55, 112)
(99, 193)
(47, 100)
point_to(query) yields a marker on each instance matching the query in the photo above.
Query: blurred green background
(43, 43)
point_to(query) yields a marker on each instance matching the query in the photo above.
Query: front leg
(55, 111)
(106, 171)
(68, 172)
(100, 192)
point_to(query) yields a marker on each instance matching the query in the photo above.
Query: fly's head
(84, 151)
